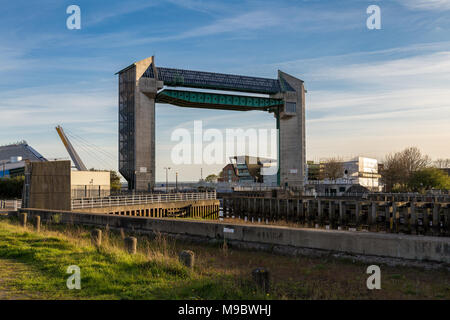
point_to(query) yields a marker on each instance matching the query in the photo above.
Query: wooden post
(357, 212)
(436, 208)
(287, 210)
(187, 258)
(413, 218)
(395, 216)
(373, 214)
(130, 244)
(23, 219)
(331, 213)
(37, 223)
(96, 237)
(261, 277)
(319, 211)
(278, 209)
(341, 213)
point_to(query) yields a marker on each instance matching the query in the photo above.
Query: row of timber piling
(390, 213)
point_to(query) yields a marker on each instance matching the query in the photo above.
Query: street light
(167, 178)
(176, 181)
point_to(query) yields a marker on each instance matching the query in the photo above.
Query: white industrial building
(358, 174)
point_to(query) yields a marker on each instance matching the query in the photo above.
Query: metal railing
(140, 199)
(10, 204)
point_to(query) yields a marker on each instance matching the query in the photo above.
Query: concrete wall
(50, 185)
(358, 243)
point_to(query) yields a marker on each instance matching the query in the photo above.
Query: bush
(429, 178)
(11, 187)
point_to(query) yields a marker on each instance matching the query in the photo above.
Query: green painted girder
(208, 100)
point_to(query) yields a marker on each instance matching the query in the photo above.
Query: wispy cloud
(113, 10)
(429, 70)
(426, 4)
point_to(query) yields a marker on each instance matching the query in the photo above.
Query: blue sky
(370, 92)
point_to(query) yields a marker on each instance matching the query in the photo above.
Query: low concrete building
(53, 185)
(90, 184)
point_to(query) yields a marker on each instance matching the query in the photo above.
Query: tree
(11, 187)
(333, 169)
(429, 178)
(400, 166)
(115, 181)
(413, 160)
(393, 173)
(211, 178)
(442, 163)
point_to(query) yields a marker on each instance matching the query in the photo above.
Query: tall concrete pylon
(137, 125)
(291, 125)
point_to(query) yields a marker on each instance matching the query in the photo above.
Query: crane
(71, 150)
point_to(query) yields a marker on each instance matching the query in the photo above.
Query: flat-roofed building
(360, 171)
(90, 184)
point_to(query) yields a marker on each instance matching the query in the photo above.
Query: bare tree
(333, 169)
(442, 163)
(393, 173)
(413, 160)
(399, 167)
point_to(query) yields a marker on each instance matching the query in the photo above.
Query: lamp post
(176, 181)
(167, 178)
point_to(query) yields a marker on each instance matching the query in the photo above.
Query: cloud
(372, 103)
(113, 11)
(428, 68)
(435, 5)
(46, 106)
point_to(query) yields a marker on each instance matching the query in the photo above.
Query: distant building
(249, 170)
(228, 174)
(13, 157)
(359, 174)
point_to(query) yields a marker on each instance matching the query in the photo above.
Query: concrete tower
(137, 125)
(291, 125)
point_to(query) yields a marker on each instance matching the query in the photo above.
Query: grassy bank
(220, 272)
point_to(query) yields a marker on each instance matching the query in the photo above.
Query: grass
(221, 272)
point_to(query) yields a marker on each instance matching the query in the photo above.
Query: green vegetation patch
(106, 273)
